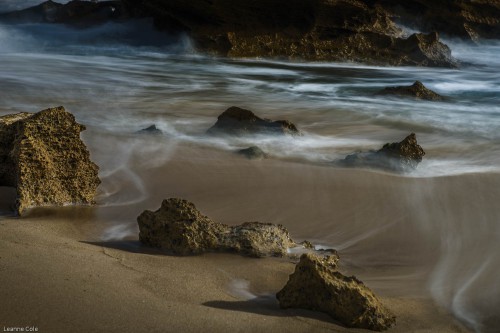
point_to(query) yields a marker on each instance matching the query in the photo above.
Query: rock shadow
(268, 305)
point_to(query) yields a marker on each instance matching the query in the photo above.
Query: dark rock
(401, 156)
(237, 121)
(177, 226)
(317, 286)
(43, 157)
(150, 130)
(320, 30)
(253, 152)
(416, 90)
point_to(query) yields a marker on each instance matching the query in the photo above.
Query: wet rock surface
(43, 157)
(401, 156)
(177, 226)
(237, 121)
(317, 285)
(150, 130)
(252, 153)
(319, 30)
(417, 90)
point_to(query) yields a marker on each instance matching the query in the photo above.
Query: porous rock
(317, 285)
(417, 90)
(401, 156)
(178, 227)
(43, 157)
(237, 121)
(252, 153)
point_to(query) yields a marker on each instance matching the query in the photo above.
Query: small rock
(416, 90)
(401, 156)
(237, 121)
(253, 152)
(317, 286)
(150, 130)
(177, 226)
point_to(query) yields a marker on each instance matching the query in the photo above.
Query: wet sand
(83, 270)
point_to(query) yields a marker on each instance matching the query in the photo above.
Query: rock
(237, 121)
(177, 226)
(150, 130)
(317, 286)
(43, 157)
(401, 156)
(416, 90)
(321, 30)
(253, 152)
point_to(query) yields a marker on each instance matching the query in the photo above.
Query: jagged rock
(317, 286)
(150, 130)
(416, 90)
(237, 121)
(401, 156)
(177, 226)
(253, 152)
(43, 157)
(321, 30)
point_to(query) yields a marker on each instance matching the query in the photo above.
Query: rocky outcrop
(317, 285)
(178, 227)
(252, 153)
(417, 90)
(401, 156)
(237, 121)
(317, 30)
(43, 157)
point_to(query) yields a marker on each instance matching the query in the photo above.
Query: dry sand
(60, 274)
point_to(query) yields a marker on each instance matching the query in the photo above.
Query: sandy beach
(83, 269)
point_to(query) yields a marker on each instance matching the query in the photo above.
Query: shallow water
(432, 230)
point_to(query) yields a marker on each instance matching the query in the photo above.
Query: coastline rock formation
(401, 156)
(43, 157)
(417, 90)
(252, 153)
(236, 121)
(317, 30)
(316, 285)
(177, 226)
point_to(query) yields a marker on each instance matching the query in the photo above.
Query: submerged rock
(317, 286)
(416, 90)
(43, 157)
(237, 121)
(253, 152)
(150, 130)
(177, 226)
(401, 156)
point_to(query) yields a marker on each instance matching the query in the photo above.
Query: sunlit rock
(401, 156)
(177, 226)
(237, 121)
(317, 285)
(43, 157)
